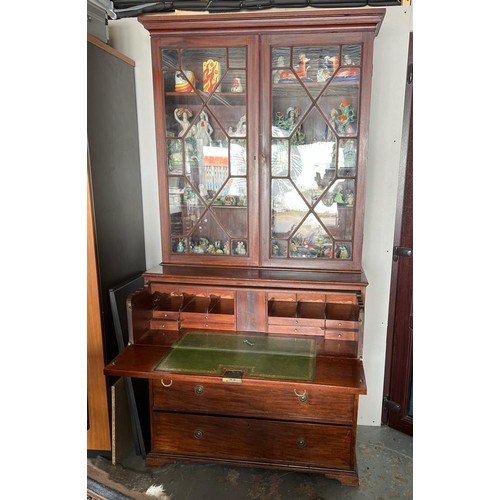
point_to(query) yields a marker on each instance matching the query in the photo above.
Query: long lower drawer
(289, 402)
(263, 441)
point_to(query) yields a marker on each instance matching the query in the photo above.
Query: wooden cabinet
(262, 128)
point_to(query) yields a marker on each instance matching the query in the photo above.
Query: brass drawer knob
(198, 434)
(301, 442)
(302, 396)
(199, 389)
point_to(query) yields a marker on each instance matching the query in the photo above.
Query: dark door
(398, 385)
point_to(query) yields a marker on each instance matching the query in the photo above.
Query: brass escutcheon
(301, 442)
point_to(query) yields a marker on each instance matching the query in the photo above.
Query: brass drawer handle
(166, 385)
(199, 389)
(198, 434)
(301, 442)
(302, 396)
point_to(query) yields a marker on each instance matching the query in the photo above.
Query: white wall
(129, 37)
(386, 121)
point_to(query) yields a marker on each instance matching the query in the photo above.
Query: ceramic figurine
(301, 68)
(240, 248)
(339, 195)
(180, 247)
(342, 252)
(349, 198)
(226, 248)
(277, 72)
(184, 81)
(347, 61)
(341, 120)
(204, 130)
(241, 127)
(293, 114)
(347, 74)
(237, 87)
(182, 116)
(330, 135)
(327, 68)
(211, 75)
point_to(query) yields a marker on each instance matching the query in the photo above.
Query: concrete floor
(385, 467)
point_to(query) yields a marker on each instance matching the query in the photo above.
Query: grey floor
(385, 468)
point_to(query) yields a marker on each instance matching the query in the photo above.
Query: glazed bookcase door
(313, 150)
(204, 152)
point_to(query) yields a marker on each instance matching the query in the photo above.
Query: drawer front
(253, 439)
(203, 325)
(164, 324)
(296, 322)
(336, 334)
(285, 403)
(301, 330)
(341, 324)
(171, 315)
(207, 318)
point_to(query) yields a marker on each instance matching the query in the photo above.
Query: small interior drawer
(340, 334)
(293, 329)
(163, 324)
(210, 323)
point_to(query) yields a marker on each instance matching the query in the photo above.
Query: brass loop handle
(166, 385)
(198, 389)
(301, 395)
(198, 434)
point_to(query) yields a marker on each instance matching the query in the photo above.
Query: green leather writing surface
(259, 356)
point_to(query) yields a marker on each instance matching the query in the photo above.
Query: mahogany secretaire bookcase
(251, 329)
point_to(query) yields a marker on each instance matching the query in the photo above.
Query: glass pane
(210, 172)
(175, 156)
(185, 206)
(288, 208)
(170, 58)
(237, 57)
(206, 149)
(238, 156)
(351, 55)
(311, 240)
(315, 97)
(287, 123)
(279, 158)
(343, 251)
(279, 248)
(208, 237)
(336, 209)
(317, 170)
(348, 154)
(207, 65)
